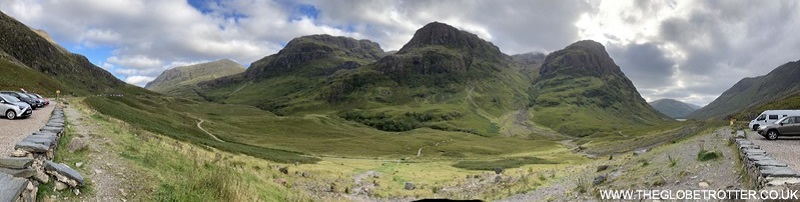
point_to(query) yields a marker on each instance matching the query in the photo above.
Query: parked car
(770, 116)
(39, 101)
(786, 126)
(13, 108)
(22, 97)
(46, 101)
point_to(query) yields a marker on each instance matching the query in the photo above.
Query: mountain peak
(673, 108)
(585, 57)
(316, 55)
(178, 77)
(441, 34)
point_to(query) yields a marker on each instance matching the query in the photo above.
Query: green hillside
(581, 92)
(22, 47)
(753, 92)
(182, 81)
(673, 108)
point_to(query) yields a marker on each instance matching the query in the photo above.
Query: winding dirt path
(204, 130)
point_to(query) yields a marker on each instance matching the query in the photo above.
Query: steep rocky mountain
(181, 81)
(753, 92)
(23, 48)
(582, 86)
(439, 53)
(316, 55)
(673, 108)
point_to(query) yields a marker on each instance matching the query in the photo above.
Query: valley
(444, 114)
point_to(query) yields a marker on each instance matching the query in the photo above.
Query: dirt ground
(13, 131)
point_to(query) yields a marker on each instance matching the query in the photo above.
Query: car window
(9, 98)
(788, 120)
(773, 117)
(761, 117)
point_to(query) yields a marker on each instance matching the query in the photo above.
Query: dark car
(786, 126)
(23, 97)
(39, 101)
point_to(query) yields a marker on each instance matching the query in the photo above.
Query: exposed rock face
(316, 55)
(584, 58)
(193, 74)
(438, 48)
(583, 78)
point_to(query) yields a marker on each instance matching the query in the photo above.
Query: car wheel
(11, 115)
(755, 127)
(772, 134)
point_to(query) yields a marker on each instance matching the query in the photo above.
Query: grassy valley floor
(163, 155)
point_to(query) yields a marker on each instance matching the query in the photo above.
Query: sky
(691, 51)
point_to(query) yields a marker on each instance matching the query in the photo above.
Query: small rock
(41, 177)
(78, 164)
(284, 170)
(602, 168)
(96, 171)
(19, 153)
(305, 174)
(122, 192)
(497, 179)
(409, 186)
(639, 152)
(498, 170)
(60, 186)
(77, 192)
(703, 184)
(599, 180)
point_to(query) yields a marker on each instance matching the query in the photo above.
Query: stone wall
(31, 164)
(764, 171)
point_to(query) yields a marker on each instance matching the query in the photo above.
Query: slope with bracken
(673, 108)
(23, 49)
(182, 81)
(754, 92)
(581, 91)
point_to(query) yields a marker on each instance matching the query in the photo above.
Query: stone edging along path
(765, 172)
(31, 164)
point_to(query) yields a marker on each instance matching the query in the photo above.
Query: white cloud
(711, 44)
(139, 80)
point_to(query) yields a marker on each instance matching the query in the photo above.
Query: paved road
(13, 131)
(784, 148)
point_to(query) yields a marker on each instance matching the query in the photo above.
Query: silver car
(786, 126)
(13, 108)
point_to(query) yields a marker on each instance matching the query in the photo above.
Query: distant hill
(31, 61)
(753, 92)
(581, 85)
(673, 108)
(181, 81)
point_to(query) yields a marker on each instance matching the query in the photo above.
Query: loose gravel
(784, 148)
(13, 131)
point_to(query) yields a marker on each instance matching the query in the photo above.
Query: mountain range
(673, 108)
(443, 78)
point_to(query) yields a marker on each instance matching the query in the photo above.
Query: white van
(770, 116)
